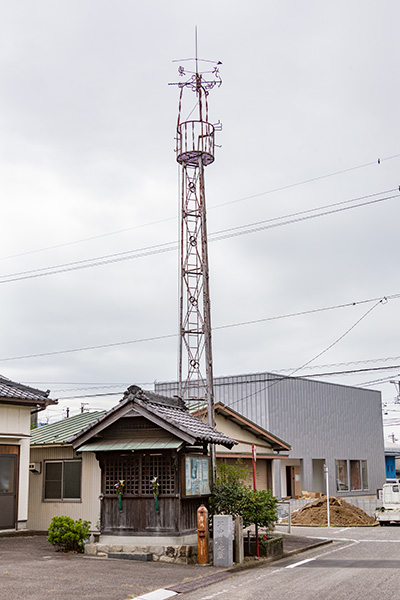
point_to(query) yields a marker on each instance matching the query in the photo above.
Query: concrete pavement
(29, 567)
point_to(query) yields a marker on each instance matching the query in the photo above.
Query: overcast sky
(309, 103)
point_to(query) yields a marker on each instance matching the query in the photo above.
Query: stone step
(143, 556)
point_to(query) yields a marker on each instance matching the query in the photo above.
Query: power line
(97, 347)
(382, 301)
(304, 312)
(170, 246)
(91, 396)
(172, 335)
(272, 380)
(350, 362)
(311, 180)
(261, 225)
(93, 262)
(271, 191)
(315, 357)
(108, 384)
(353, 371)
(88, 239)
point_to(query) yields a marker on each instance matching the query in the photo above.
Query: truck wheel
(383, 523)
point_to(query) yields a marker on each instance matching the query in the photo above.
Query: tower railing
(195, 139)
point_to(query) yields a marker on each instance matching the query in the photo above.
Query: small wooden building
(149, 436)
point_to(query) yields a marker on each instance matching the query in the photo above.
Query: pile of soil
(342, 514)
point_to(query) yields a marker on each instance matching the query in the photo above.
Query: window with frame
(62, 480)
(351, 475)
(137, 471)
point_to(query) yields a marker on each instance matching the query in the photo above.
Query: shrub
(231, 496)
(259, 508)
(68, 535)
(228, 491)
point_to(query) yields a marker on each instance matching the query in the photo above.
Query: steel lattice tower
(194, 151)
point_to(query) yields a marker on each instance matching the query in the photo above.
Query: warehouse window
(351, 475)
(342, 479)
(62, 480)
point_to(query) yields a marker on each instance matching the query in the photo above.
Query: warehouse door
(293, 481)
(8, 490)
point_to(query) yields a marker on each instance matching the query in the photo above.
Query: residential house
(63, 482)
(17, 403)
(252, 440)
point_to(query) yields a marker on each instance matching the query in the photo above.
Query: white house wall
(15, 420)
(41, 513)
(234, 431)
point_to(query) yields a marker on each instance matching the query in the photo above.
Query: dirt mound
(342, 514)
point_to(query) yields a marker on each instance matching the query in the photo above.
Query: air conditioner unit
(35, 467)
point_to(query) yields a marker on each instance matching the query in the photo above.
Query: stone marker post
(222, 543)
(239, 540)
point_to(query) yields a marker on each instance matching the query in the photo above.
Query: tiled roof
(61, 432)
(171, 411)
(10, 390)
(174, 411)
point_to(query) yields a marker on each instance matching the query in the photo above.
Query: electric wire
(267, 224)
(175, 335)
(88, 239)
(170, 246)
(103, 384)
(271, 191)
(311, 180)
(381, 301)
(269, 380)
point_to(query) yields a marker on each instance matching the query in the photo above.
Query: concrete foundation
(145, 540)
(180, 553)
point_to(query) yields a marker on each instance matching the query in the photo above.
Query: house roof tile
(171, 411)
(22, 394)
(61, 431)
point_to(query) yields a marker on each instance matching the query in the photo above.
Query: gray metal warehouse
(326, 424)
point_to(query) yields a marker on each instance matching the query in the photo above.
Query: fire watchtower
(195, 144)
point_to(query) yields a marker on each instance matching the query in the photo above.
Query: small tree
(231, 496)
(229, 490)
(260, 508)
(68, 535)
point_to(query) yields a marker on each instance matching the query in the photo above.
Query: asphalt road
(30, 569)
(361, 563)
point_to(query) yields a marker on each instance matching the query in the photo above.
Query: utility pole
(195, 145)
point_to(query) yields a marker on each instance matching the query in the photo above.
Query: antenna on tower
(195, 144)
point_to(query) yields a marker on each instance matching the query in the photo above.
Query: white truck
(390, 509)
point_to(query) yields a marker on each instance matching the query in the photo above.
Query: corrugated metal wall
(320, 420)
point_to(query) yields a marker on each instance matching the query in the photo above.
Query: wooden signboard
(196, 475)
